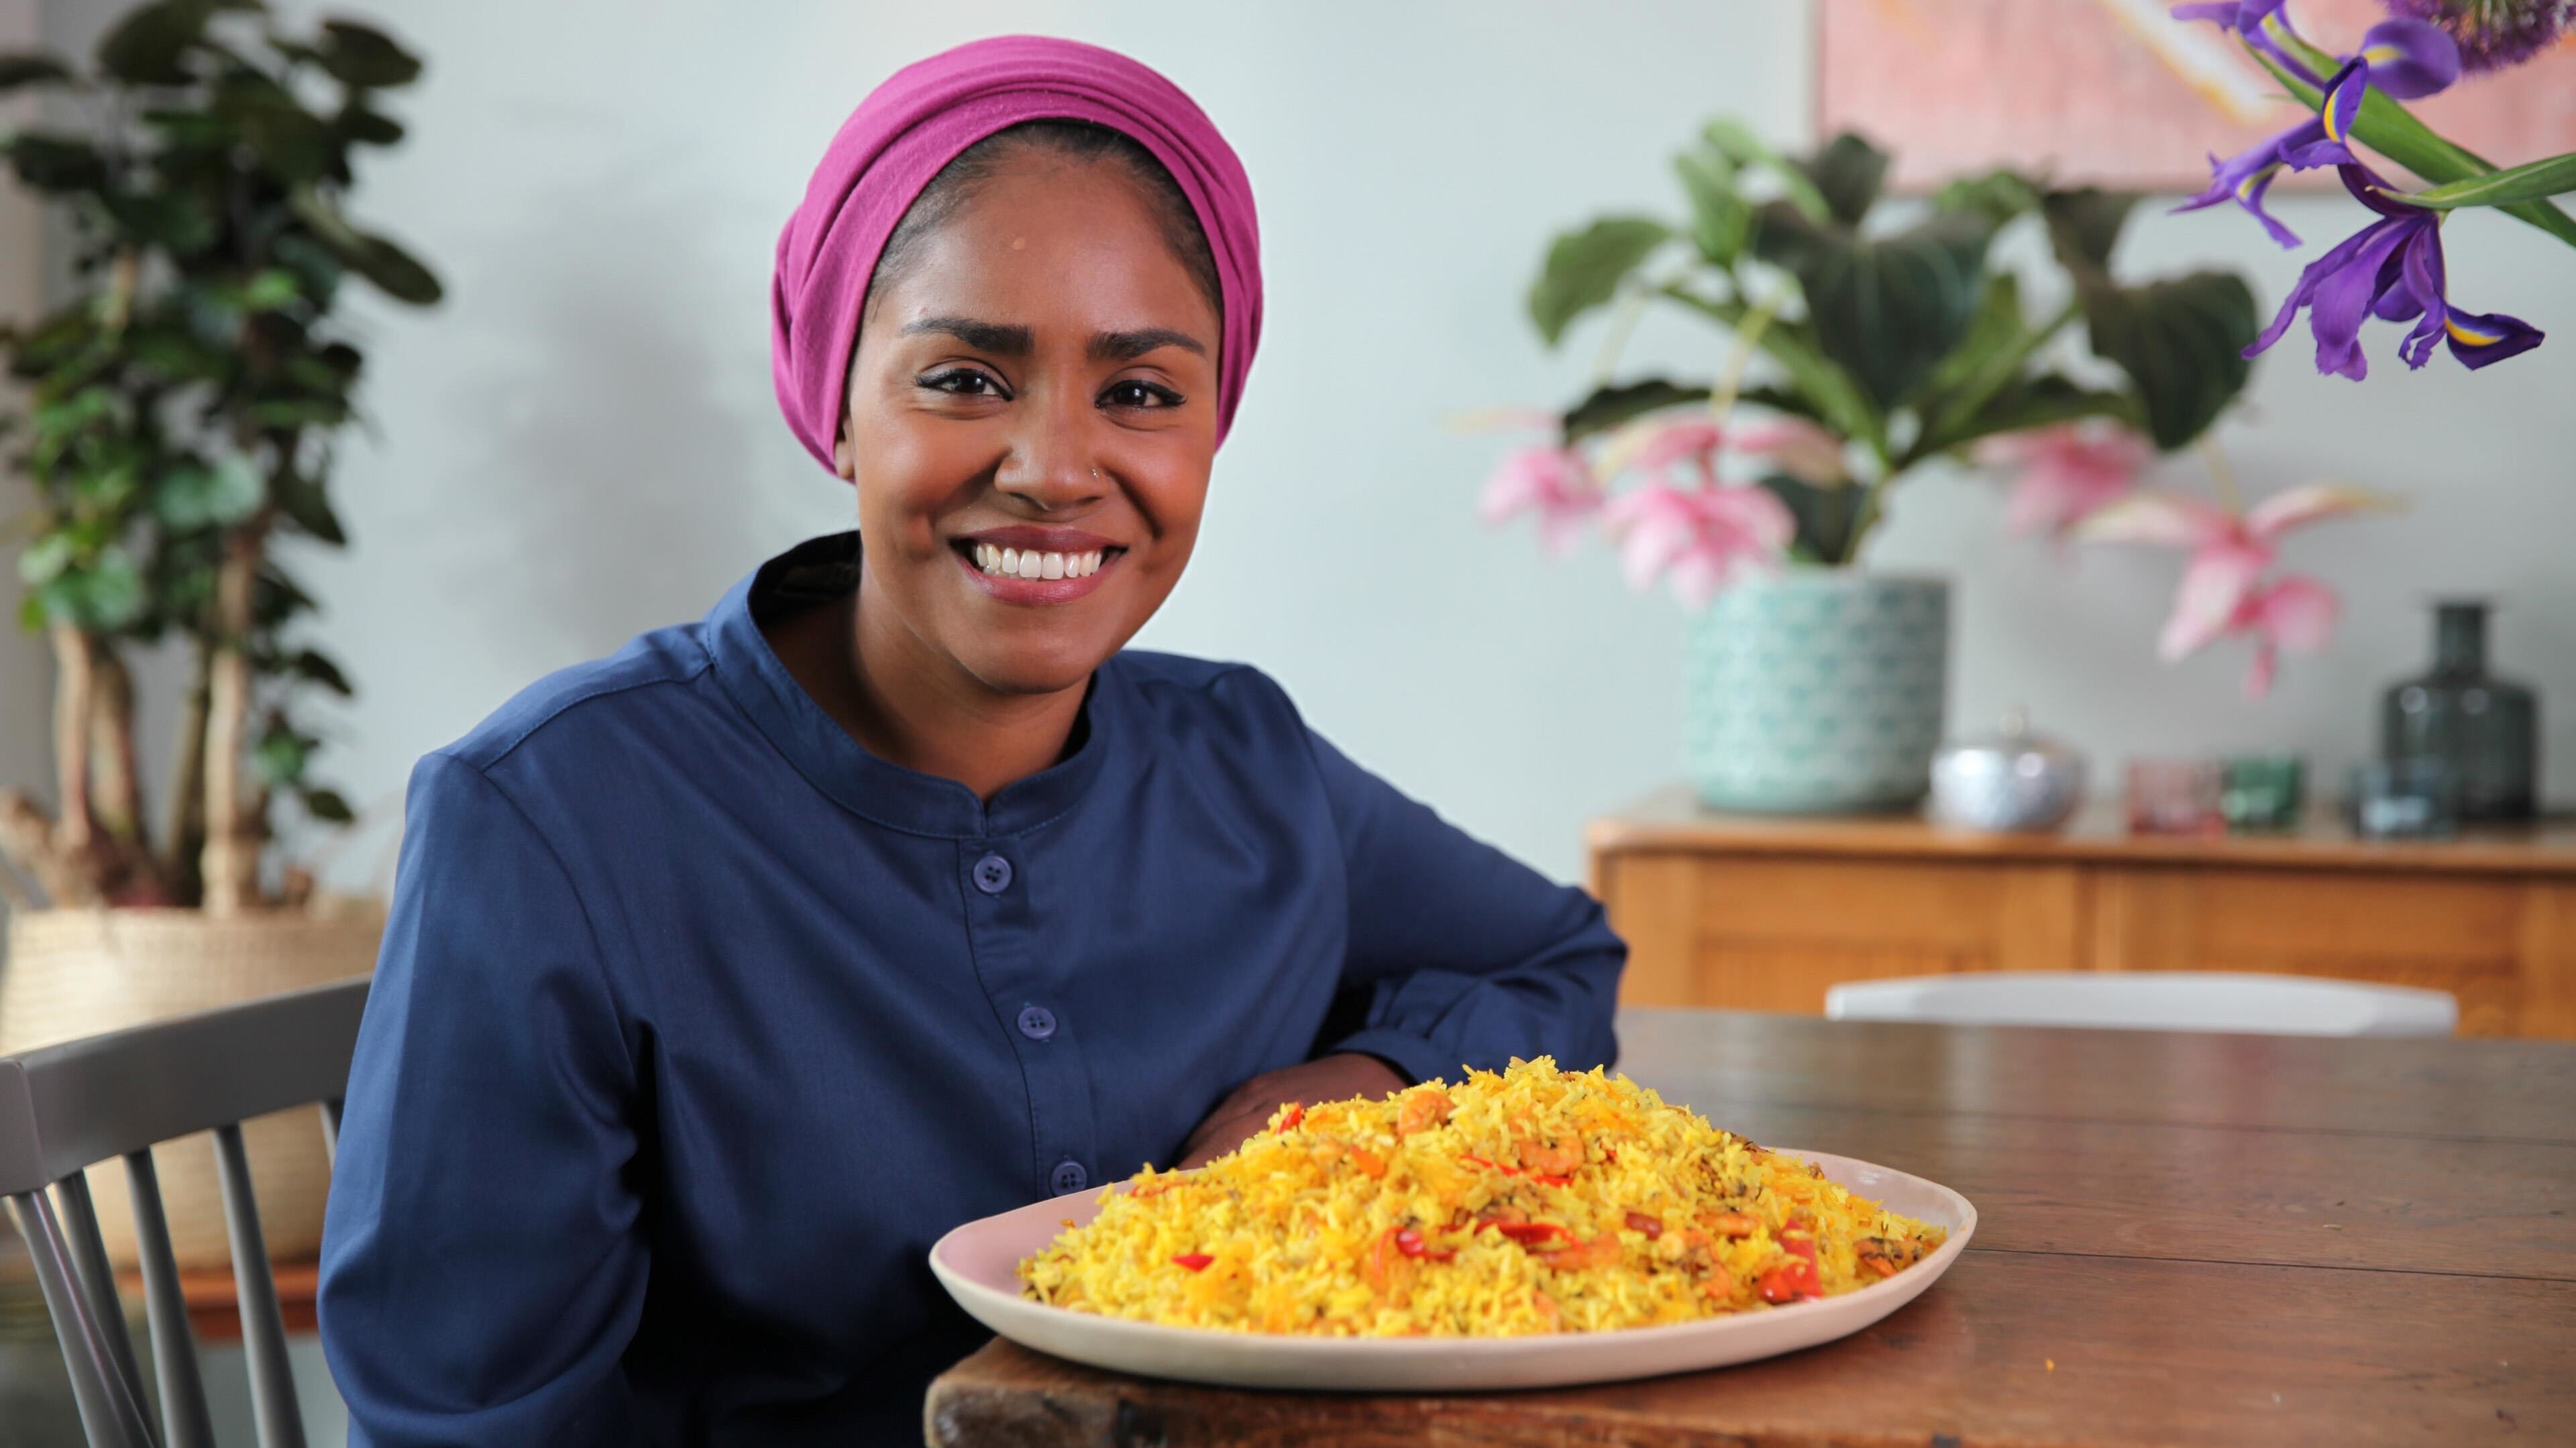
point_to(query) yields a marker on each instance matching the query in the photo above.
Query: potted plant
(181, 412)
(1873, 339)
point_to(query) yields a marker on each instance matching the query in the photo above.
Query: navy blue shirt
(696, 1023)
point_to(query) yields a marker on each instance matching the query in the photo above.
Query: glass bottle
(2485, 728)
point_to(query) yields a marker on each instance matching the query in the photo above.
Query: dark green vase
(2486, 729)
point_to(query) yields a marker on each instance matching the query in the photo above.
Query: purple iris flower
(2405, 58)
(2260, 24)
(2392, 270)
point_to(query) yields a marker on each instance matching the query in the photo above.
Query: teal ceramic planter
(1817, 692)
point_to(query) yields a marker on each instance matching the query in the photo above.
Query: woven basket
(75, 973)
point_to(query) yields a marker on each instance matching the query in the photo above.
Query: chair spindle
(185, 1422)
(98, 1280)
(272, 1381)
(107, 1415)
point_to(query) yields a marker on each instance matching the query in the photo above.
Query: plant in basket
(1872, 339)
(181, 409)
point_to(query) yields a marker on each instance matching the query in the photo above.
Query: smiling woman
(725, 975)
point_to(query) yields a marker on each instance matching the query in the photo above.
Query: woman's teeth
(1012, 563)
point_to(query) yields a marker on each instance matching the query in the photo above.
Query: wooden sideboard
(1765, 913)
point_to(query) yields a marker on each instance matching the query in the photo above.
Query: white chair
(2178, 1000)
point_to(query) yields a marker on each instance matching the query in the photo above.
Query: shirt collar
(836, 764)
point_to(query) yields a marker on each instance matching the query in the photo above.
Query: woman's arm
(1468, 956)
(482, 1267)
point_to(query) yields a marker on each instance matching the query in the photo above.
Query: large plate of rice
(1528, 1228)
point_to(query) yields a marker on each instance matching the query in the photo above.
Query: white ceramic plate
(977, 1263)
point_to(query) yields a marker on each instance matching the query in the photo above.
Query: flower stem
(1623, 324)
(1748, 339)
(2221, 476)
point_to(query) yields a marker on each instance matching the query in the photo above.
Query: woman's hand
(1247, 1108)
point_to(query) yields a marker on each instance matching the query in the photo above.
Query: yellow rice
(1526, 1202)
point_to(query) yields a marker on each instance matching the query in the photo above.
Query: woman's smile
(1032, 565)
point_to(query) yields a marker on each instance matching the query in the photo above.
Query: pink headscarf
(916, 123)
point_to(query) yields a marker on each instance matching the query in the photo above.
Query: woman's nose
(1052, 465)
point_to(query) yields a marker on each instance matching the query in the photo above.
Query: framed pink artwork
(2117, 92)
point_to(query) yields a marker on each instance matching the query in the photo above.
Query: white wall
(582, 443)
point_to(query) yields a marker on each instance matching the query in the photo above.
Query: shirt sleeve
(1464, 955)
(483, 1259)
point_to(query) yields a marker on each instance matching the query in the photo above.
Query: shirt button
(992, 874)
(1069, 1177)
(1037, 1023)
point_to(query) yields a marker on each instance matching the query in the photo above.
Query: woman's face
(1032, 416)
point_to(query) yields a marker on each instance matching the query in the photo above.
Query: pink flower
(2066, 472)
(1700, 536)
(2223, 589)
(1553, 482)
(1795, 446)
(1664, 446)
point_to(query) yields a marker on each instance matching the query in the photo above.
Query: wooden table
(1755, 913)
(2186, 1239)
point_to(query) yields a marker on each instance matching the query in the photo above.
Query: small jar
(2010, 780)
(2176, 797)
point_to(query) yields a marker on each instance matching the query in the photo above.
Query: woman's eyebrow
(982, 336)
(1128, 346)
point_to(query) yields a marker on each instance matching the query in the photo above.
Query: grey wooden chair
(66, 1107)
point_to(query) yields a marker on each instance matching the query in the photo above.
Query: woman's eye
(963, 382)
(1133, 393)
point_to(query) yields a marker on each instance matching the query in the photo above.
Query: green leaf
(193, 128)
(1886, 310)
(45, 559)
(107, 594)
(169, 219)
(191, 497)
(280, 756)
(2555, 176)
(1825, 515)
(1738, 144)
(2032, 402)
(1583, 270)
(1720, 219)
(270, 290)
(148, 45)
(1834, 397)
(1846, 171)
(308, 507)
(361, 55)
(2084, 225)
(1609, 407)
(364, 127)
(313, 668)
(1999, 195)
(396, 272)
(55, 164)
(2182, 341)
(1994, 334)
(28, 68)
(296, 145)
(327, 806)
(2393, 131)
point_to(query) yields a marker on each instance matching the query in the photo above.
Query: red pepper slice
(1296, 1113)
(1797, 1279)
(1551, 1181)
(1528, 1232)
(1195, 1261)
(1410, 1243)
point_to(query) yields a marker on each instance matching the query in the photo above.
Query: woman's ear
(842, 460)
